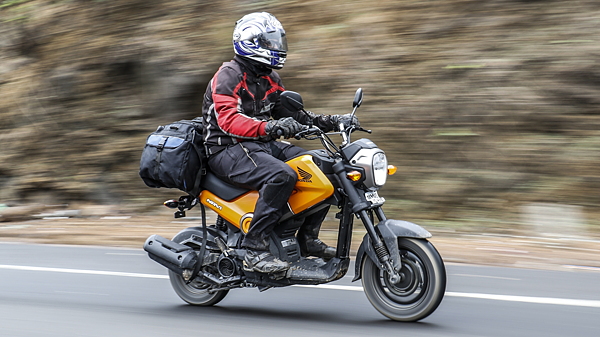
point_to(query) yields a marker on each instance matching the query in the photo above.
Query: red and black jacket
(239, 101)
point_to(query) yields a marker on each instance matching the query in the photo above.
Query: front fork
(384, 250)
(356, 205)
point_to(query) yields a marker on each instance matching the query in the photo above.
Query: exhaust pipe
(172, 255)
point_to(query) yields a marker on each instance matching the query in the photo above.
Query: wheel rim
(195, 293)
(194, 287)
(410, 291)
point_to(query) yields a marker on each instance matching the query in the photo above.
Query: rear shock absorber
(221, 224)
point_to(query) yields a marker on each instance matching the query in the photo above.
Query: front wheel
(422, 284)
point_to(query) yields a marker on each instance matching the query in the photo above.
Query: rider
(242, 118)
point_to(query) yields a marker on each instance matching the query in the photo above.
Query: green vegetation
(12, 3)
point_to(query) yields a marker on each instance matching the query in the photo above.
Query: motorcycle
(402, 274)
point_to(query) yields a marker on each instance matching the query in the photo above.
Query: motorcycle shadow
(299, 316)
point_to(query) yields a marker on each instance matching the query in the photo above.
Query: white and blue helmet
(261, 37)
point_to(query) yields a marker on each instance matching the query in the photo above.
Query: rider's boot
(308, 237)
(315, 247)
(263, 262)
(268, 210)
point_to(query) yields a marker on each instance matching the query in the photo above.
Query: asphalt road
(66, 291)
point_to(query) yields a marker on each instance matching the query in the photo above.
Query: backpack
(174, 157)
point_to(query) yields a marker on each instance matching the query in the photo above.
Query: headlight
(380, 168)
(374, 163)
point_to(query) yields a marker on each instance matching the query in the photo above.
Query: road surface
(49, 290)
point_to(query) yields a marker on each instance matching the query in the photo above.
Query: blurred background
(489, 108)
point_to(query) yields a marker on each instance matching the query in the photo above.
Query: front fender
(389, 230)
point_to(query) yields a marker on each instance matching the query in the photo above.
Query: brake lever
(364, 130)
(302, 132)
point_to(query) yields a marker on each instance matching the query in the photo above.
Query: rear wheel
(195, 292)
(422, 284)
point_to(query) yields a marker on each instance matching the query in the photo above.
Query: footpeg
(317, 270)
(184, 203)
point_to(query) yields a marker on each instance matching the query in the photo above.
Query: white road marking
(509, 298)
(529, 299)
(485, 276)
(126, 254)
(569, 266)
(330, 286)
(78, 293)
(82, 271)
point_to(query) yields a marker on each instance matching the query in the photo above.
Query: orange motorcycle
(402, 274)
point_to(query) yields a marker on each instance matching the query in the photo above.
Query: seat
(221, 188)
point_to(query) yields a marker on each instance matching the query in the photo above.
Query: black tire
(419, 292)
(195, 292)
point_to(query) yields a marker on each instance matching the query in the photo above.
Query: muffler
(174, 256)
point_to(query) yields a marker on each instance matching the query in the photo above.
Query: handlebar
(280, 132)
(313, 130)
(307, 131)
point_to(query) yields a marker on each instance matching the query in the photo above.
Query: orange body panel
(237, 211)
(312, 188)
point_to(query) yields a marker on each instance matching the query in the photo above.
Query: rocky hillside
(487, 106)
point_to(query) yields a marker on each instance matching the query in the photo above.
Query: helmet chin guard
(261, 37)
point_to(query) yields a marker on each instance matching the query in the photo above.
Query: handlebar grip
(279, 133)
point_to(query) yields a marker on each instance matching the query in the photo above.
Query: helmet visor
(273, 41)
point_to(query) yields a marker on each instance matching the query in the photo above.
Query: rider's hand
(347, 119)
(286, 127)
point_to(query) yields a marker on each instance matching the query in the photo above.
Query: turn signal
(392, 169)
(353, 175)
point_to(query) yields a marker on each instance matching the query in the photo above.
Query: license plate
(374, 198)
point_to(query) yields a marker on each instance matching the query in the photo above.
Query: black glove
(347, 119)
(286, 127)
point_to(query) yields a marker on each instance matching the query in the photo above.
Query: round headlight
(380, 168)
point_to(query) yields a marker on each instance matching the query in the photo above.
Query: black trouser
(260, 166)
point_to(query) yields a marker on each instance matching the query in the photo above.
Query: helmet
(260, 37)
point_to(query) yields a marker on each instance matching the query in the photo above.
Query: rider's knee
(284, 179)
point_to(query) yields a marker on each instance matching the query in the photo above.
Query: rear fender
(389, 230)
(193, 236)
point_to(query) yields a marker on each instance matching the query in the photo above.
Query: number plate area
(374, 198)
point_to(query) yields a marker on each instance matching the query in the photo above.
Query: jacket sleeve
(226, 86)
